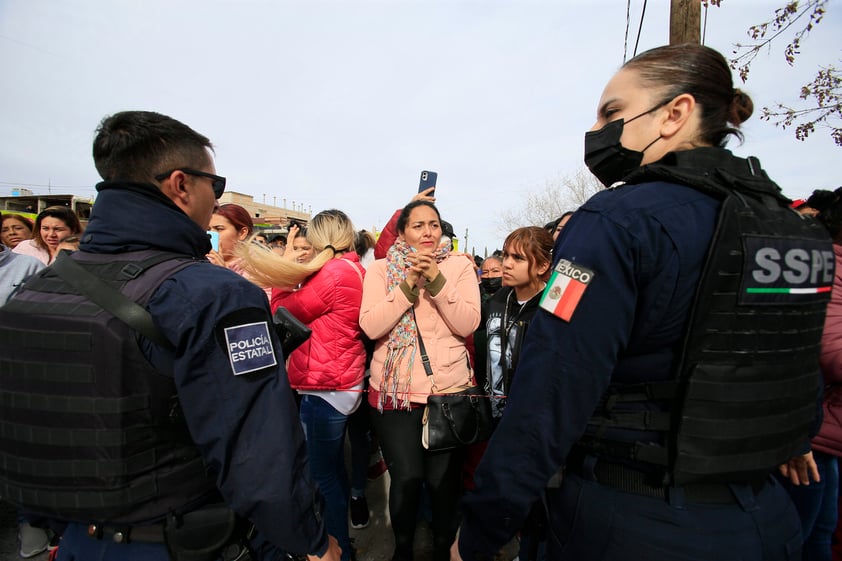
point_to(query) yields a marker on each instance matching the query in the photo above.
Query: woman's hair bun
(741, 108)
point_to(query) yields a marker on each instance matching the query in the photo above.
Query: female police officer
(660, 289)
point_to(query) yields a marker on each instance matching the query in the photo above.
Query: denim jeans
(359, 436)
(324, 429)
(816, 505)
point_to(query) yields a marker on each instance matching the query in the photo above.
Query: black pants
(410, 465)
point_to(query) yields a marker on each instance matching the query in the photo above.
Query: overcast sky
(341, 104)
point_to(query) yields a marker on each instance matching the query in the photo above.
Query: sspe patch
(778, 270)
(249, 347)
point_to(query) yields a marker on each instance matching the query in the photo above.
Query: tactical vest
(744, 395)
(89, 431)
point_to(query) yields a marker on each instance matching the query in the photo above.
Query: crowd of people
(662, 364)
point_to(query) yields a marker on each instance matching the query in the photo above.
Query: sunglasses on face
(217, 181)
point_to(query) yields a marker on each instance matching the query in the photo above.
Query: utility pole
(685, 21)
(466, 239)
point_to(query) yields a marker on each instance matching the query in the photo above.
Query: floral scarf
(401, 344)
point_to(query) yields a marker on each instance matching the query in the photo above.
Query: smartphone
(428, 179)
(214, 240)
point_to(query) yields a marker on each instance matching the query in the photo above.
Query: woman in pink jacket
(418, 290)
(327, 369)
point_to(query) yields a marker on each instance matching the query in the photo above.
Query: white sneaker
(32, 540)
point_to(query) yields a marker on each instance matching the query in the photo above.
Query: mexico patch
(780, 270)
(249, 347)
(565, 289)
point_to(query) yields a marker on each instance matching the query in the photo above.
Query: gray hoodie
(14, 269)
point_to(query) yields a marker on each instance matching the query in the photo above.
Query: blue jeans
(816, 505)
(324, 429)
(359, 436)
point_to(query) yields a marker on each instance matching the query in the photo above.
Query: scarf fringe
(403, 338)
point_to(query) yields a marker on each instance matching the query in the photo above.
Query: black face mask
(606, 157)
(490, 286)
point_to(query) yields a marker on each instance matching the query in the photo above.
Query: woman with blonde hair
(327, 369)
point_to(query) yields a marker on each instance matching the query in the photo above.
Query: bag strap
(356, 270)
(424, 357)
(108, 298)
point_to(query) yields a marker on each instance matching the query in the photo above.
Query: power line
(626, 39)
(51, 186)
(640, 28)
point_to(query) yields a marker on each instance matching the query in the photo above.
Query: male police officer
(131, 428)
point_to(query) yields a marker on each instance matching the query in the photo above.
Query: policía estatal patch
(778, 270)
(249, 347)
(565, 289)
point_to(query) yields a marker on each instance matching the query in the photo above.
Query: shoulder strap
(108, 298)
(356, 270)
(424, 357)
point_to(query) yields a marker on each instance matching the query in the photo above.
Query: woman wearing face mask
(672, 365)
(233, 224)
(491, 276)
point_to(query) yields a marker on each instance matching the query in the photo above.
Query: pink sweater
(444, 320)
(28, 247)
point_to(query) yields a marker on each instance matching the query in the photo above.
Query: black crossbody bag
(455, 418)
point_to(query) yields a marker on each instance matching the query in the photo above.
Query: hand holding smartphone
(214, 240)
(428, 179)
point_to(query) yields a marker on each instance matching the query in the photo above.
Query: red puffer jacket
(329, 303)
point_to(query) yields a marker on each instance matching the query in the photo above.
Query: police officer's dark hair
(403, 218)
(829, 205)
(138, 145)
(703, 73)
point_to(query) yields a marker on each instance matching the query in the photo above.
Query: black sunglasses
(217, 181)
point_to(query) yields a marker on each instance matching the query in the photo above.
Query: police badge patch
(779, 270)
(565, 289)
(249, 347)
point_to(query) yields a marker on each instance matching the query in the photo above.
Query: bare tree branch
(548, 202)
(822, 94)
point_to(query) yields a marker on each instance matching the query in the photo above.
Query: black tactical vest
(89, 431)
(743, 399)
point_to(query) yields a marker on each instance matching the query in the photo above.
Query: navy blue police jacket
(645, 246)
(245, 424)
